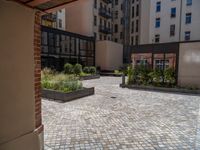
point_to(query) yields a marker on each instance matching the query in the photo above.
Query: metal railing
(105, 30)
(105, 13)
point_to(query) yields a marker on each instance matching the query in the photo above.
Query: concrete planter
(160, 89)
(90, 77)
(110, 74)
(51, 94)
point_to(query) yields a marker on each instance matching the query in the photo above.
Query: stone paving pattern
(116, 118)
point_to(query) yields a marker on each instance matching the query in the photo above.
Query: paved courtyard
(116, 118)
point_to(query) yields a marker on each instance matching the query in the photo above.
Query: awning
(44, 5)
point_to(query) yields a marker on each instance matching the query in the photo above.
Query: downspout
(180, 21)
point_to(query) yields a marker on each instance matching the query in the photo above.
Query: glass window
(188, 18)
(95, 20)
(172, 29)
(188, 2)
(95, 3)
(137, 26)
(159, 64)
(116, 28)
(158, 6)
(136, 40)
(187, 35)
(137, 10)
(116, 14)
(157, 24)
(173, 12)
(133, 12)
(132, 27)
(157, 38)
(60, 23)
(116, 2)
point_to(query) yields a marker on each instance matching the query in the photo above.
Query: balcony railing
(50, 17)
(104, 13)
(108, 1)
(105, 30)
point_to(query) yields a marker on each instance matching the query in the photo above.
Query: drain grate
(113, 97)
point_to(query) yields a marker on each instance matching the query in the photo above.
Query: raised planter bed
(110, 74)
(90, 77)
(56, 95)
(161, 89)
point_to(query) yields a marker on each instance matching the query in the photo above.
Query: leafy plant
(86, 69)
(68, 68)
(124, 69)
(93, 70)
(61, 82)
(156, 76)
(130, 74)
(169, 75)
(77, 69)
(118, 72)
(142, 74)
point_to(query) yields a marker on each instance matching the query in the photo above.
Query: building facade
(169, 21)
(100, 18)
(54, 20)
(134, 20)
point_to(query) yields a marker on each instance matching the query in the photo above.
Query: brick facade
(37, 70)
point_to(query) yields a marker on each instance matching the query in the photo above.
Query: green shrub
(77, 69)
(47, 73)
(142, 74)
(130, 74)
(169, 75)
(72, 85)
(92, 70)
(68, 68)
(86, 69)
(62, 82)
(156, 76)
(116, 72)
(124, 69)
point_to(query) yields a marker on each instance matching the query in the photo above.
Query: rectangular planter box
(56, 95)
(110, 74)
(161, 89)
(97, 76)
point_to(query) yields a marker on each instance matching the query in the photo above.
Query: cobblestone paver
(116, 118)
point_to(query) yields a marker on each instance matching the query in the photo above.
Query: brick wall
(37, 71)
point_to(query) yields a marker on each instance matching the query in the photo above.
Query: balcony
(104, 13)
(50, 17)
(105, 30)
(108, 1)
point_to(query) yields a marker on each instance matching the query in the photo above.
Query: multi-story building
(55, 20)
(118, 20)
(164, 21)
(100, 18)
(134, 20)
(102, 23)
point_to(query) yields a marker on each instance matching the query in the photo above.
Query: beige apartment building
(134, 20)
(55, 19)
(100, 18)
(169, 21)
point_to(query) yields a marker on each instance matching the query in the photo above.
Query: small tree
(68, 68)
(77, 69)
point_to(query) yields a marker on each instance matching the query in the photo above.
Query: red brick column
(37, 70)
